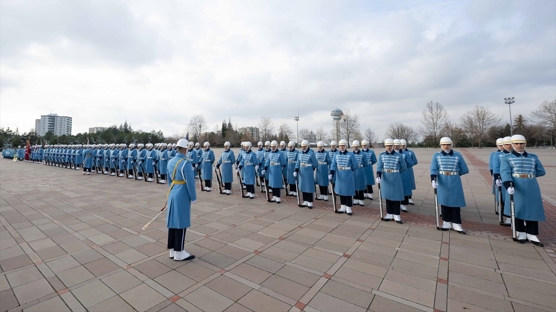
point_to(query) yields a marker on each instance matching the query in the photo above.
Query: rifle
(512, 212)
(134, 169)
(149, 223)
(333, 197)
(218, 178)
(298, 191)
(500, 210)
(380, 201)
(436, 213)
(200, 179)
(240, 185)
(156, 174)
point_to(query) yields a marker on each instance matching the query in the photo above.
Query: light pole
(510, 101)
(296, 118)
(336, 116)
(199, 136)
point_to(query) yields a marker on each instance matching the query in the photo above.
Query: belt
(391, 170)
(291, 161)
(247, 163)
(523, 175)
(272, 163)
(178, 182)
(322, 163)
(226, 162)
(305, 165)
(89, 156)
(344, 168)
(449, 173)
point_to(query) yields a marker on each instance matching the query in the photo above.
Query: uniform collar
(392, 153)
(334, 150)
(451, 153)
(524, 154)
(343, 153)
(506, 152)
(357, 152)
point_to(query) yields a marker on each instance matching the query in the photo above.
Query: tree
(349, 126)
(546, 115)
(454, 132)
(196, 125)
(477, 122)
(370, 136)
(434, 118)
(266, 128)
(400, 131)
(284, 132)
(321, 135)
(304, 134)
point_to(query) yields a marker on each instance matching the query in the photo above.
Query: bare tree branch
(477, 122)
(400, 131)
(434, 118)
(266, 128)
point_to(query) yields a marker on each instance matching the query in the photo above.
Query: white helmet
(507, 140)
(291, 143)
(365, 142)
(304, 143)
(333, 143)
(445, 140)
(388, 142)
(397, 142)
(266, 143)
(226, 143)
(282, 143)
(197, 144)
(140, 145)
(149, 145)
(343, 142)
(206, 144)
(320, 143)
(183, 143)
(499, 141)
(274, 143)
(403, 141)
(248, 144)
(260, 143)
(355, 143)
(518, 138)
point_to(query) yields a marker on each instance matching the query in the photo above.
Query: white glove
(154, 163)
(434, 184)
(498, 182)
(193, 201)
(263, 172)
(256, 167)
(295, 174)
(511, 190)
(237, 170)
(378, 180)
(330, 177)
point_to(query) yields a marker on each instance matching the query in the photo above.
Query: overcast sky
(158, 63)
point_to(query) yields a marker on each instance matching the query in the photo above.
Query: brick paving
(70, 242)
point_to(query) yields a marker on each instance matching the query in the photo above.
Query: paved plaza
(70, 242)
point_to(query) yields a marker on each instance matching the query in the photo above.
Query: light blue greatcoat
(178, 204)
(226, 164)
(191, 156)
(207, 159)
(122, 158)
(88, 154)
(141, 158)
(173, 153)
(406, 178)
(410, 169)
(247, 164)
(527, 198)
(450, 189)
(79, 156)
(291, 158)
(496, 160)
(199, 152)
(332, 154)
(359, 172)
(275, 161)
(391, 165)
(131, 158)
(343, 165)
(321, 174)
(371, 160)
(113, 157)
(266, 155)
(306, 164)
(99, 157)
(106, 158)
(150, 160)
(163, 162)
(261, 153)
(491, 168)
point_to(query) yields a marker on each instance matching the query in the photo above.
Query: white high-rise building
(58, 125)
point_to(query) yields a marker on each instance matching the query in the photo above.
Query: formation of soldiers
(311, 175)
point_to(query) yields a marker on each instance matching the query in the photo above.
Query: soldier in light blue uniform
(150, 162)
(141, 158)
(88, 161)
(131, 160)
(163, 161)
(291, 157)
(389, 167)
(406, 179)
(207, 161)
(369, 173)
(249, 164)
(448, 165)
(267, 151)
(332, 154)
(114, 151)
(359, 174)
(321, 174)
(107, 159)
(275, 162)
(178, 205)
(519, 171)
(191, 155)
(305, 166)
(494, 166)
(261, 153)
(122, 160)
(226, 161)
(410, 169)
(343, 165)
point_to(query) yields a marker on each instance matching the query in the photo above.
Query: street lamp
(336, 116)
(296, 118)
(510, 101)
(199, 136)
